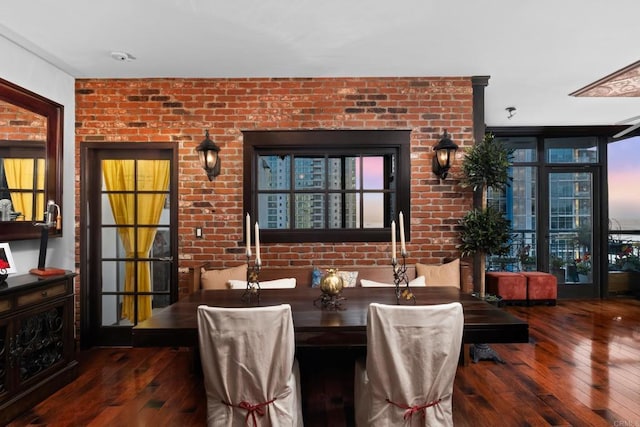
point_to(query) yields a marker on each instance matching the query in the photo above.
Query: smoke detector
(122, 56)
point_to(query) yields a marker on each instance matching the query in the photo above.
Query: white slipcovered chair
(251, 376)
(412, 357)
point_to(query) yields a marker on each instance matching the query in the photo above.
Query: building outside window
(550, 203)
(623, 244)
(327, 185)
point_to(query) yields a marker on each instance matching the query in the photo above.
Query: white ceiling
(536, 52)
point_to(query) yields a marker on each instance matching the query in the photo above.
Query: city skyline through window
(327, 185)
(568, 219)
(328, 192)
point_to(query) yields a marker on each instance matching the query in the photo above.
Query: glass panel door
(131, 239)
(554, 205)
(571, 255)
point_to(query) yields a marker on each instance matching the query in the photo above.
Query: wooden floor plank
(580, 368)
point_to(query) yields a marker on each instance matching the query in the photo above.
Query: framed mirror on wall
(30, 161)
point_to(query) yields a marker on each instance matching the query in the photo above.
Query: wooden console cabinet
(37, 351)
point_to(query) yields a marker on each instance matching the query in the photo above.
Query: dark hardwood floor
(580, 368)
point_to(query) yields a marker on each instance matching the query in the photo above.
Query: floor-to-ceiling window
(554, 203)
(623, 243)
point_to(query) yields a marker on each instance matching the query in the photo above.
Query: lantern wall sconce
(444, 150)
(208, 154)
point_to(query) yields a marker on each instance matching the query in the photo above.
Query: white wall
(27, 70)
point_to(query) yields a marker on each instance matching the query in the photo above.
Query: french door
(555, 205)
(128, 237)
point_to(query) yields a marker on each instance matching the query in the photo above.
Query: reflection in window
(22, 180)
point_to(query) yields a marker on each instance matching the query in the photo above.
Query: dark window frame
(330, 142)
(603, 135)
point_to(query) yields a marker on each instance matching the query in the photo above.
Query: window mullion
(360, 192)
(292, 192)
(343, 188)
(326, 191)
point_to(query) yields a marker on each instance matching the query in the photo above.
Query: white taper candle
(393, 240)
(258, 261)
(403, 247)
(248, 237)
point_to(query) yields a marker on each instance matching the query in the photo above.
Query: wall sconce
(208, 154)
(444, 151)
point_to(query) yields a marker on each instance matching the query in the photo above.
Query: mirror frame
(53, 112)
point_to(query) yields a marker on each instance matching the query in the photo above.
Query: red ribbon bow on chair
(410, 410)
(252, 410)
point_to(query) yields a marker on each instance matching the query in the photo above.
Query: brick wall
(179, 111)
(18, 124)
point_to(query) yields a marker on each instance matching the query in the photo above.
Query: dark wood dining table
(315, 326)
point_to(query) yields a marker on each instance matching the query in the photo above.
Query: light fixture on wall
(208, 154)
(444, 150)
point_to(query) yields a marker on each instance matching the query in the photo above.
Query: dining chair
(251, 376)
(412, 357)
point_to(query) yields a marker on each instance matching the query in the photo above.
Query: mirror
(30, 159)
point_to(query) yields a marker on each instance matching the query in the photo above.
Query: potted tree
(484, 230)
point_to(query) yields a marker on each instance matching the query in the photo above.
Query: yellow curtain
(19, 173)
(121, 177)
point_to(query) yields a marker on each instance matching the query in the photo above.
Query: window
(326, 186)
(572, 149)
(624, 209)
(555, 203)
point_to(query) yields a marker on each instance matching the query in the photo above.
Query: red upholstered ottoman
(541, 287)
(512, 287)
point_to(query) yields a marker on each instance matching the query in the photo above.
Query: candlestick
(258, 261)
(403, 248)
(393, 241)
(401, 281)
(253, 283)
(248, 233)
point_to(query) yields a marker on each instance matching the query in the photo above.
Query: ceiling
(536, 53)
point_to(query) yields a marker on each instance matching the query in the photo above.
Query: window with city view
(624, 214)
(326, 185)
(567, 216)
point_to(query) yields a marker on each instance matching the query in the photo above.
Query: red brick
(179, 110)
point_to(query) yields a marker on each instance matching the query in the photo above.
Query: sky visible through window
(624, 184)
(373, 179)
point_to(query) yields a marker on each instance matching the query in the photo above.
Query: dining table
(340, 324)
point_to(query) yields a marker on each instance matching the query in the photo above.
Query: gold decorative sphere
(331, 283)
